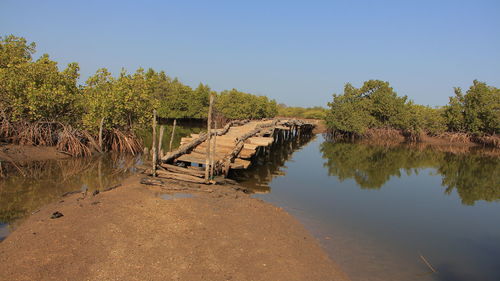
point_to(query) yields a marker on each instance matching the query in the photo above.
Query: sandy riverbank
(130, 233)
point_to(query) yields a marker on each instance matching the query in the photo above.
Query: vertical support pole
(172, 136)
(212, 156)
(153, 146)
(160, 141)
(209, 137)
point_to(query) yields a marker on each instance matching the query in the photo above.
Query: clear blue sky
(298, 53)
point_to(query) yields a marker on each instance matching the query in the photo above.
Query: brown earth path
(130, 233)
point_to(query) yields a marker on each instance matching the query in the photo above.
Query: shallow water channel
(382, 213)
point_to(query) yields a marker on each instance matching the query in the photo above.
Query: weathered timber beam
(177, 169)
(195, 142)
(184, 149)
(225, 163)
(181, 177)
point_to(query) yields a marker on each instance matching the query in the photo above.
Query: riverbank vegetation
(315, 112)
(375, 110)
(41, 104)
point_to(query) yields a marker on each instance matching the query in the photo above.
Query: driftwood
(151, 181)
(171, 186)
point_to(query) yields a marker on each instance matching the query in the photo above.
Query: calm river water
(381, 211)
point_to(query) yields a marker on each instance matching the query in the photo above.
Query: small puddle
(175, 196)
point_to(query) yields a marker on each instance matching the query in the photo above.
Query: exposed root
(68, 140)
(73, 142)
(120, 141)
(492, 141)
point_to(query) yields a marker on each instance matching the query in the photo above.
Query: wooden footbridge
(201, 157)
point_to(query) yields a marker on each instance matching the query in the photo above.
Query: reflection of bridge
(267, 166)
(232, 147)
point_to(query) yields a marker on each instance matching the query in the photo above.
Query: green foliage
(15, 51)
(376, 105)
(476, 112)
(36, 90)
(234, 104)
(426, 118)
(315, 112)
(122, 102)
(349, 112)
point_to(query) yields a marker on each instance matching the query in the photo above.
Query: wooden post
(172, 136)
(212, 156)
(153, 145)
(160, 143)
(209, 125)
(100, 134)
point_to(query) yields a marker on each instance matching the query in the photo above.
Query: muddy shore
(26, 153)
(132, 233)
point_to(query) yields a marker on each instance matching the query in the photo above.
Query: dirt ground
(131, 233)
(23, 153)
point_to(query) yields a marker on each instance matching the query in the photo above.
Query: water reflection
(376, 209)
(268, 164)
(46, 181)
(474, 176)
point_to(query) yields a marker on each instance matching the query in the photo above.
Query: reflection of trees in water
(268, 165)
(474, 176)
(46, 181)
